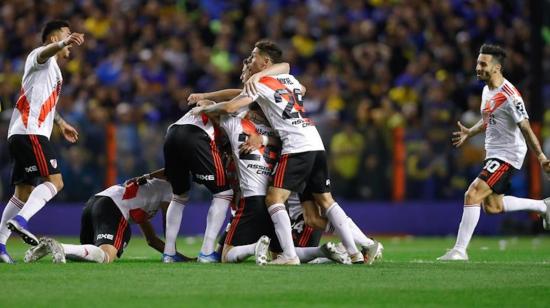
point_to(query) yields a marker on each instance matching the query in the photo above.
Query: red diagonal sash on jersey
(47, 106)
(24, 107)
(130, 191)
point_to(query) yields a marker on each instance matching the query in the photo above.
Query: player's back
(502, 109)
(139, 202)
(201, 121)
(280, 97)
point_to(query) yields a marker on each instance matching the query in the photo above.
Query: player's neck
(495, 82)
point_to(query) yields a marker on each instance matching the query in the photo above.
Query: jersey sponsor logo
(53, 162)
(205, 177)
(105, 236)
(31, 169)
(262, 170)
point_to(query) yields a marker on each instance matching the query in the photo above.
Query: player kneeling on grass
(105, 231)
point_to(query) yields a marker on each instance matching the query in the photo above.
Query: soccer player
(302, 166)
(36, 175)
(507, 129)
(105, 230)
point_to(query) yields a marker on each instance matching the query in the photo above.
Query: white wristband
(265, 140)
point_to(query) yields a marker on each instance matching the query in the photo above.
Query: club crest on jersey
(53, 162)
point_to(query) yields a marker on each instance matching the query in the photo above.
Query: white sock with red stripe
(470, 217)
(281, 222)
(512, 204)
(358, 236)
(173, 222)
(37, 199)
(339, 220)
(215, 219)
(84, 253)
(306, 254)
(239, 253)
(12, 208)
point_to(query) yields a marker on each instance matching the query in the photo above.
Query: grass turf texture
(510, 272)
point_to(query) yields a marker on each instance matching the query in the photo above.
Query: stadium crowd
(370, 67)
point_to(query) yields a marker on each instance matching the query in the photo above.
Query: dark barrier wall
(374, 218)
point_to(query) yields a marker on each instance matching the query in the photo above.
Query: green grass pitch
(502, 272)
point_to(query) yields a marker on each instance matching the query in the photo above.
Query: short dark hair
(270, 49)
(498, 53)
(52, 26)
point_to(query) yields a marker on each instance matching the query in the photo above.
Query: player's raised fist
(74, 39)
(194, 98)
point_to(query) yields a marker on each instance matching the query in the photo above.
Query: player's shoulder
(509, 90)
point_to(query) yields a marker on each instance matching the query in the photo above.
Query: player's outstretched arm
(51, 49)
(217, 96)
(464, 133)
(275, 69)
(231, 106)
(69, 132)
(534, 145)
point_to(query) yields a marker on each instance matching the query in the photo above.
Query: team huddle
(257, 153)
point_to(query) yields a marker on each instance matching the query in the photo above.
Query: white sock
(512, 204)
(358, 236)
(306, 254)
(339, 220)
(214, 220)
(173, 222)
(281, 222)
(37, 199)
(84, 253)
(11, 209)
(239, 253)
(470, 217)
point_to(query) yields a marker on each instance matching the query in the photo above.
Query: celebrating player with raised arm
(36, 175)
(302, 166)
(507, 128)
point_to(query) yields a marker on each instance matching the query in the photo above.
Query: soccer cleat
(546, 215)
(372, 252)
(4, 256)
(454, 255)
(357, 258)
(211, 258)
(37, 252)
(330, 251)
(261, 250)
(282, 260)
(18, 224)
(53, 246)
(176, 258)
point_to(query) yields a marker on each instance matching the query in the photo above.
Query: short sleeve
(516, 108)
(33, 59)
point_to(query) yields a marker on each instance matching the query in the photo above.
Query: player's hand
(545, 165)
(253, 142)
(74, 39)
(205, 102)
(195, 98)
(197, 110)
(250, 85)
(460, 136)
(139, 180)
(69, 132)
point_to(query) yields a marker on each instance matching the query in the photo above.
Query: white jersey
(40, 89)
(502, 109)
(280, 98)
(139, 203)
(201, 121)
(253, 169)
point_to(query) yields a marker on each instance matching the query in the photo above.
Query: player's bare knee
(492, 208)
(471, 196)
(56, 180)
(324, 200)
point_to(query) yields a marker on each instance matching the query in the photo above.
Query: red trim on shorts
(220, 174)
(306, 235)
(280, 175)
(39, 155)
(120, 232)
(497, 174)
(235, 222)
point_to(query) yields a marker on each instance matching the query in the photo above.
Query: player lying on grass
(105, 230)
